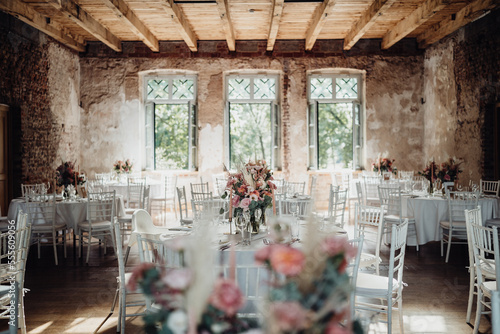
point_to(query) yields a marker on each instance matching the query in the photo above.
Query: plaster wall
(112, 117)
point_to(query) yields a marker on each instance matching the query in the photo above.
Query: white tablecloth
(69, 212)
(428, 212)
(155, 190)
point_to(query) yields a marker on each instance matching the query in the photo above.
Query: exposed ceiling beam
(464, 16)
(30, 16)
(123, 11)
(368, 18)
(319, 20)
(87, 22)
(418, 17)
(181, 24)
(275, 22)
(227, 25)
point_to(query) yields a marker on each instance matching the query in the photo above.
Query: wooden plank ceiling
(74, 22)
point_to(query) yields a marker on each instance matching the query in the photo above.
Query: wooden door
(4, 159)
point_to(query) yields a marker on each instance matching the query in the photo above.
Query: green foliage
(335, 135)
(171, 136)
(250, 131)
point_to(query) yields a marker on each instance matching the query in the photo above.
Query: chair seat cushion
(458, 225)
(488, 287)
(373, 285)
(367, 260)
(96, 225)
(488, 270)
(37, 228)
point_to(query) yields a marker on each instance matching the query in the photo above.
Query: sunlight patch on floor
(42, 328)
(426, 324)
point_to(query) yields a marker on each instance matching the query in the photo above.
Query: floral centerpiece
(251, 189)
(123, 167)
(430, 171)
(384, 165)
(66, 175)
(309, 289)
(170, 289)
(449, 170)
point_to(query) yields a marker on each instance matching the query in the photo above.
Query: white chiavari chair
(491, 188)
(368, 222)
(183, 207)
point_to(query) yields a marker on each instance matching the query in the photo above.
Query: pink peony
(178, 279)
(245, 203)
(334, 245)
(262, 255)
(226, 296)
(236, 201)
(289, 316)
(287, 260)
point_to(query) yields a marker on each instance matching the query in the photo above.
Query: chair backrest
(33, 189)
(14, 248)
(200, 191)
(153, 250)
(104, 177)
(336, 205)
(390, 197)
(368, 220)
(472, 216)
(294, 188)
(181, 197)
(486, 250)
(101, 207)
(371, 184)
(279, 192)
(170, 186)
(142, 223)
(204, 209)
(312, 186)
(360, 194)
(458, 202)
(489, 187)
(251, 280)
(42, 211)
(135, 192)
(95, 185)
(396, 261)
(302, 208)
(406, 174)
(353, 269)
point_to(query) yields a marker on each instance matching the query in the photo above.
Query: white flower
(178, 322)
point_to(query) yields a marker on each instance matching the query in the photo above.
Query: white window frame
(358, 107)
(192, 121)
(275, 162)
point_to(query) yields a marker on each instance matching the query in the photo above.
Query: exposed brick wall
(477, 75)
(24, 87)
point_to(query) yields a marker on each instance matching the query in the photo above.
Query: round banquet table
(69, 212)
(429, 211)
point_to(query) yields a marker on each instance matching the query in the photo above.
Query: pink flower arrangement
(289, 316)
(286, 260)
(227, 296)
(123, 166)
(384, 165)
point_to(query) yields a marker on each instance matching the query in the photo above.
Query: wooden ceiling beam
(418, 17)
(464, 16)
(78, 15)
(123, 11)
(275, 22)
(227, 24)
(319, 20)
(181, 24)
(368, 18)
(30, 16)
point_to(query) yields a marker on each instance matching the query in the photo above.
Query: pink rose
(289, 316)
(334, 245)
(262, 255)
(178, 279)
(287, 260)
(226, 296)
(447, 177)
(236, 201)
(271, 185)
(245, 203)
